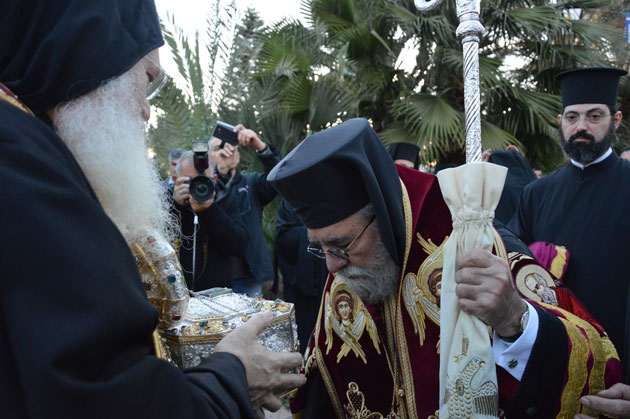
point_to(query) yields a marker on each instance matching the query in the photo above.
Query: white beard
(376, 282)
(106, 134)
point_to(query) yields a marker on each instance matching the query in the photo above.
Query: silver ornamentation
(469, 32)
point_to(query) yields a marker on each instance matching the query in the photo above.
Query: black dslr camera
(201, 186)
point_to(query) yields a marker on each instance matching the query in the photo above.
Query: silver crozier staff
(468, 383)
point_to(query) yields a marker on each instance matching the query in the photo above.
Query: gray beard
(376, 282)
(105, 132)
(587, 152)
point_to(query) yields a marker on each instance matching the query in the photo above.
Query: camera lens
(201, 188)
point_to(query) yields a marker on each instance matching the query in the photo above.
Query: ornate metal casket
(214, 313)
(191, 324)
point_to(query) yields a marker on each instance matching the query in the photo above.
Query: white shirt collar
(597, 160)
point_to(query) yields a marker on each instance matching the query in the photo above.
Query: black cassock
(75, 325)
(588, 212)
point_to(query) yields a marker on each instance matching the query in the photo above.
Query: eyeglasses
(593, 117)
(338, 253)
(155, 85)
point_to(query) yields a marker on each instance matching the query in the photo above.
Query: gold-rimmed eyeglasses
(338, 253)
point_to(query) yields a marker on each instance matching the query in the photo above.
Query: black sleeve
(541, 385)
(318, 403)
(265, 192)
(521, 222)
(511, 242)
(289, 232)
(224, 226)
(76, 326)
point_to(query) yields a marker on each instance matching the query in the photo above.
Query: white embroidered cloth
(468, 382)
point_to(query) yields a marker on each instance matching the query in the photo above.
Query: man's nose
(334, 263)
(581, 125)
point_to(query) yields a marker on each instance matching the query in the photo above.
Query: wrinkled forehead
(338, 233)
(585, 107)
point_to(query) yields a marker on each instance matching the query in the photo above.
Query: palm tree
(187, 112)
(424, 104)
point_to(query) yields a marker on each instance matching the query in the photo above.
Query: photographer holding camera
(252, 192)
(212, 230)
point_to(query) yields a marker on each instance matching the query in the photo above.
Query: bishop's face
(369, 270)
(587, 130)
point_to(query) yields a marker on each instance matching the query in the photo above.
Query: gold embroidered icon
(348, 318)
(462, 400)
(534, 282)
(421, 293)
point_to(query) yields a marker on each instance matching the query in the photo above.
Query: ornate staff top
(469, 32)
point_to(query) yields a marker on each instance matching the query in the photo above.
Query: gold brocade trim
(601, 349)
(409, 409)
(499, 246)
(558, 263)
(328, 383)
(569, 401)
(8, 96)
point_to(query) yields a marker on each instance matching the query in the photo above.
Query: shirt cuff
(513, 356)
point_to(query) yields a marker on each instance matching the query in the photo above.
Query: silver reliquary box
(214, 313)
(192, 323)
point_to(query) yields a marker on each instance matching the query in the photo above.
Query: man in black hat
(375, 350)
(405, 154)
(580, 205)
(77, 187)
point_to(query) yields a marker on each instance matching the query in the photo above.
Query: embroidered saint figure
(348, 318)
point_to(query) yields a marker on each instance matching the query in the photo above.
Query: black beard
(587, 152)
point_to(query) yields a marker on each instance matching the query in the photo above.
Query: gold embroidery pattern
(393, 318)
(421, 292)
(557, 265)
(356, 404)
(601, 349)
(348, 318)
(463, 401)
(569, 401)
(533, 282)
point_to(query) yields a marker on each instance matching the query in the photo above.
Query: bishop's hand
(266, 371)
(484, 288)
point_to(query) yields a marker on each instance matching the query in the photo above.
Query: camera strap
(194, 253)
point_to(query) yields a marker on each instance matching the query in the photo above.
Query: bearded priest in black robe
(584, 205)
(76, 187)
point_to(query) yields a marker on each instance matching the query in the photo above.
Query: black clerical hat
(590, 85)
(336, 172)
(56, 50)
(405, 151)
